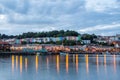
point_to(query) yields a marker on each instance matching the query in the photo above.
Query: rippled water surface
(60, 67)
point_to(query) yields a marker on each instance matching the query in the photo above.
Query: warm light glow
(36, 61)
(26, 63)
(12, 63)
(16, 62)
(77, 63)
(87, 63)
(58, 64)
(20, 64)
(67, 63)
(114, 62)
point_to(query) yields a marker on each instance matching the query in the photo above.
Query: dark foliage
(54, 33)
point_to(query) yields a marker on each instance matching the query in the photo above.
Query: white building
(86, 41)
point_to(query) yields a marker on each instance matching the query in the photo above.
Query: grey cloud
(40, 15)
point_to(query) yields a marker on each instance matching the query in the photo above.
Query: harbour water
(60, 67)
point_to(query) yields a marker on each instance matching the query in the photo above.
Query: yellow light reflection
(12, 63)
(20, 64)
(77, 63)
(97, 62)
(114, 62)
(16, 62)
(105, 62)
(26, 63)
(36, 61)
(67, 63)
(87, 63)
(58, 64)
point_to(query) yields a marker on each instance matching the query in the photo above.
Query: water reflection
(77, 63)
(21, 64)
(73, 59)
(114, 63)
(58, 63)
(47, 60)
(105, 63)
(12, 63)
(26, 63)
(97, 63)
(36, 62)
(67, 63)
(87, 63)
(16, 62)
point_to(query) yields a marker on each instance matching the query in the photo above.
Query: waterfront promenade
(59, 49)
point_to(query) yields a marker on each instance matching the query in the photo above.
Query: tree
(54, 33)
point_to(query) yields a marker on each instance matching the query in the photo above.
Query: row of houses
(109, 40)
(39, 40)
(101, 39)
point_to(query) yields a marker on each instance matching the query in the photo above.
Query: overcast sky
(85, 16)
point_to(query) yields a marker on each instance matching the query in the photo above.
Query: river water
(60, 67)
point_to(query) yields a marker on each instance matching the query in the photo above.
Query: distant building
(113, 38)
(116, 43)
(102, 41)
(73, 38)
(86, 41)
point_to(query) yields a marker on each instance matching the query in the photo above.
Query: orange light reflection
(87, 63)
(20, 64)
(77, 63)
(114, 62)
(58, 63)
(67, 63)
(12, 63)
(36, 61)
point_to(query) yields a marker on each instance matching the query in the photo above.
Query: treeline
(54, 33)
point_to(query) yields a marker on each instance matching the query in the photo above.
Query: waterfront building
(116, 43)
(4, 46)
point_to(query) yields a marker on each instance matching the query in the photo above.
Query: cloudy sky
(85, 16)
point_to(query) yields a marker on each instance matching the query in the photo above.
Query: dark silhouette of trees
(54, 33)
